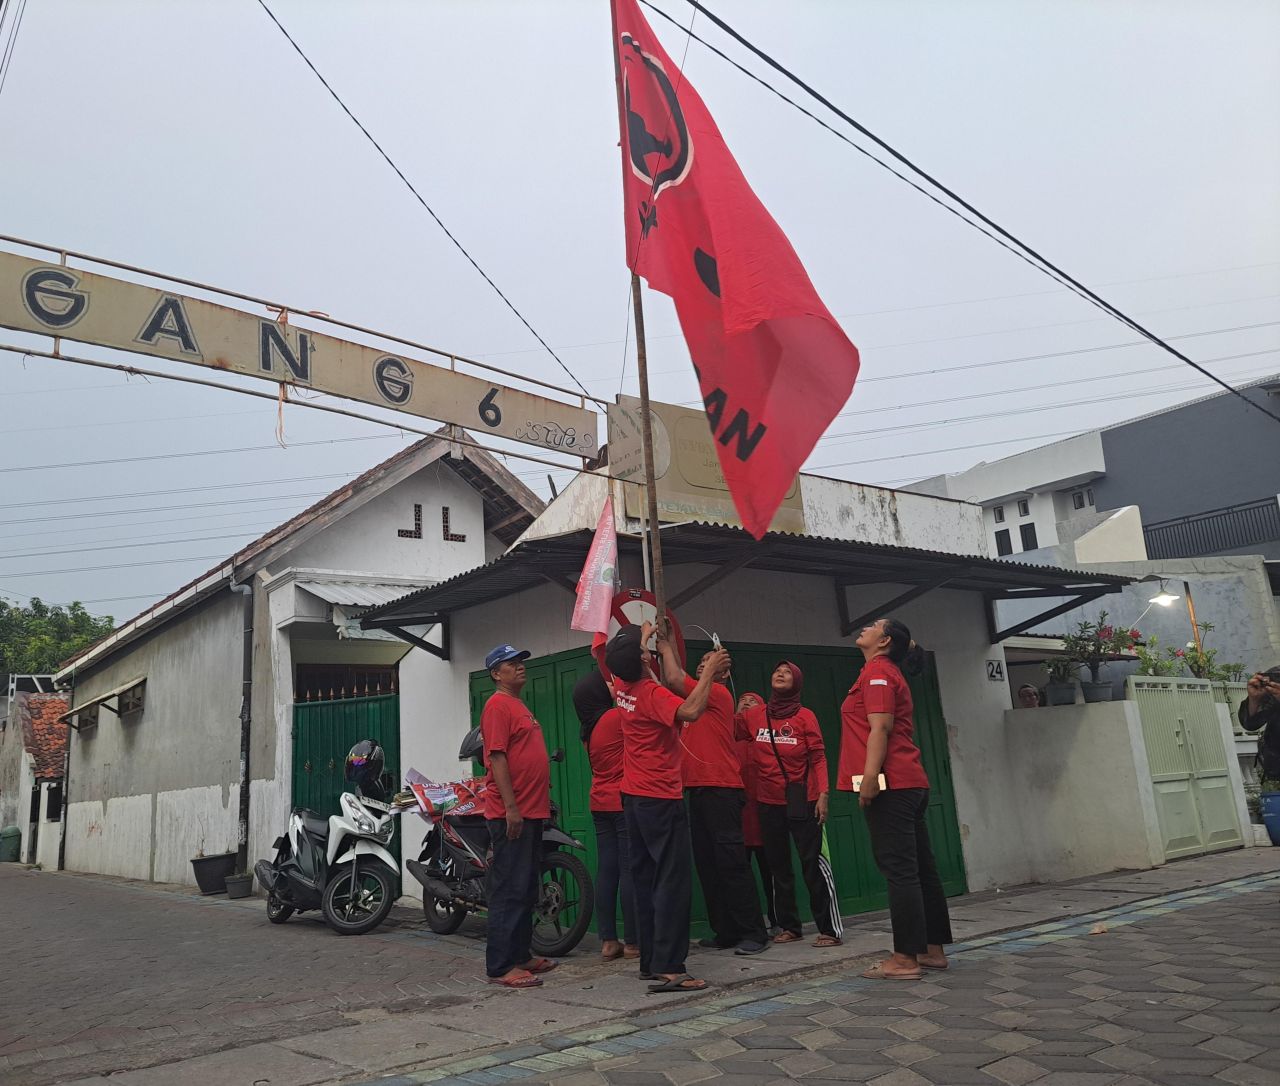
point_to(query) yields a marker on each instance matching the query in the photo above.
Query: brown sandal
(878, 972)
(827, 940)
(787, 937)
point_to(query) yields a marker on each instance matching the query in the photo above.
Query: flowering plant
(1151, 661)
(1094, 643)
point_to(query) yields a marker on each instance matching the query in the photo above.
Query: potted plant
(1061, 689)
(211, 871)
(1151, 661)
(240, 884)
(1091, 645)
(1269, 804)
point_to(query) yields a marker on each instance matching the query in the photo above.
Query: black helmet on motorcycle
(365, 762)
(472, 749)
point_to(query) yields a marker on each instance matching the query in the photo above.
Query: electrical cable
(251, 533)
(181, 490)
(61, 517)
(124, 565)
(409, 184)
(1043, 264)
(6, 61)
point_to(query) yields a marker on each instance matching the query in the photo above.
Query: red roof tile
(44, 735)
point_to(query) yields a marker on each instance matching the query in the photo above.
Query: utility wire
(183, 490)
(6, 61)
(1037, 260)
(418, 196)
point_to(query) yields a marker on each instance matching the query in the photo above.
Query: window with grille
(1003, 543)
(1077, 500)
(998, 513)
(1024, 507)
(53, 804)
(87, 717)
(131, 703)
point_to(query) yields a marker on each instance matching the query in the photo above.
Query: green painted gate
(829, 672)
(323, 732)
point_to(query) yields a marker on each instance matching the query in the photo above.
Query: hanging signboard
(689, 482)
(54, 300)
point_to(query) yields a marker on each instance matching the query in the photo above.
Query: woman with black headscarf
(602, 736)
(790, 760)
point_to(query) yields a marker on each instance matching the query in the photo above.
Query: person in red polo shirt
(653, 801)
(517, 799)
(877, 740)
(713, 786)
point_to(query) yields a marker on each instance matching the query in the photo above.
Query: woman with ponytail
(602, 736)
(881, 762)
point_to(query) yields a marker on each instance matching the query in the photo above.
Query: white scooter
(340, 865)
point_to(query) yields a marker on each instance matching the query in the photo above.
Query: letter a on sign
(773, 365)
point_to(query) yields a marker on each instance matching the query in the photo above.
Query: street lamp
(1165, 598)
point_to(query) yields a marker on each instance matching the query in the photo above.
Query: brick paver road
(1185, 997)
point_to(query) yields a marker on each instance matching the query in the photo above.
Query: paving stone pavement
(1183, 991)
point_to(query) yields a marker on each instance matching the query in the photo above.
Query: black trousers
(720, 856)
(511, 891)
(613, 877)
(766, 882)
(900, 845)
(777, 831)
(662, 874)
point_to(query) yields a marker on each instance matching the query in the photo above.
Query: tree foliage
(35, 639)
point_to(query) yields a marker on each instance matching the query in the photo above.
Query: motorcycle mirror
(557, 755)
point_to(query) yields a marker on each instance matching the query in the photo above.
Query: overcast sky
(1136, 144)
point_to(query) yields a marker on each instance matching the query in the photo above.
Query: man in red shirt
(517, 799)
(653, 802)
(713, 785)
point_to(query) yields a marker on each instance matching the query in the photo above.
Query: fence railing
(1225, 529)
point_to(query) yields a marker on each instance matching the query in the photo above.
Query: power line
(123, 565)
(185, 455)
(94, 533)
(62, 517)
(1005, 239)
(251, 532)
(6, 61)
(409, 184)
(180, 490)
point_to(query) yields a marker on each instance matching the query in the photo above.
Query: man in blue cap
(517, 799)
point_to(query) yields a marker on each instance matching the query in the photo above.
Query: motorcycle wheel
(357, 914)
(566, 900)
(442, 917)
(277, 911)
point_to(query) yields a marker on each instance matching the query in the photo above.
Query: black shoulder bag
(797, 792)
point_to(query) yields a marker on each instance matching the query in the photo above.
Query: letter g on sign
(393, 380)
(50, 296)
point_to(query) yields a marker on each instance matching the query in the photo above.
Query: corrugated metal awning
(355, 593)
(534, 562)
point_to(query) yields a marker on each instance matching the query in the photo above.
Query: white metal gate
(1188, 761)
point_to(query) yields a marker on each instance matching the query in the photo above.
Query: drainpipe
(246, 718)
(66, 778)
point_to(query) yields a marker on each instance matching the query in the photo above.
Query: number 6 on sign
(490, 412)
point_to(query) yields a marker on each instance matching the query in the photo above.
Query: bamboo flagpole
(646, 445)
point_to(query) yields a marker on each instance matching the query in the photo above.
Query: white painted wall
(26, 782)
(49, 837)
(111, 837)
(1119, 538)
(1056, 466)
(1080, 793)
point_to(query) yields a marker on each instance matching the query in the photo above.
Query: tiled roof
(44, 735)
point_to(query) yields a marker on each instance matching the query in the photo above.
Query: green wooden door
(323, 732)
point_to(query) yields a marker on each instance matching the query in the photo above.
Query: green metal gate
(1195, 803)
(323, 732)
(829, 672)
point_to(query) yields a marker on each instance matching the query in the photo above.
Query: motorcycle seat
(314, 824)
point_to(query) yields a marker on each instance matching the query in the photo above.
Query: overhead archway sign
(71, 303)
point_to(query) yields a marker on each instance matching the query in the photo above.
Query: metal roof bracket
(849, 625)
(1082, 596)
(441, 650)
(736, 562)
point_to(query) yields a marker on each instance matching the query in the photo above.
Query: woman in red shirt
(789, 756)
(602, 736)
(877, 741)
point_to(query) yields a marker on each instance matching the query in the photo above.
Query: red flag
(773, 365)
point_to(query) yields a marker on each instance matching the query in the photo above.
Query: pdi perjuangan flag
(773, 365)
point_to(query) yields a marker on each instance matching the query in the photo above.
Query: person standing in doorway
(517, 800)
(653, 801)
(792, 787)
(881, 762)
(713, 787)
(602, 736)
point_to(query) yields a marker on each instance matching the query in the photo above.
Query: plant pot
(239, 885)
(1060, 693)
(211, 872)
(1093, 692)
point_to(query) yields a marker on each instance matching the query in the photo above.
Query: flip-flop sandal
(877, 972)
(682, 983)
(541, 965)
(786, 937)
(518, 980)
(935, 968)
(827, 940)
